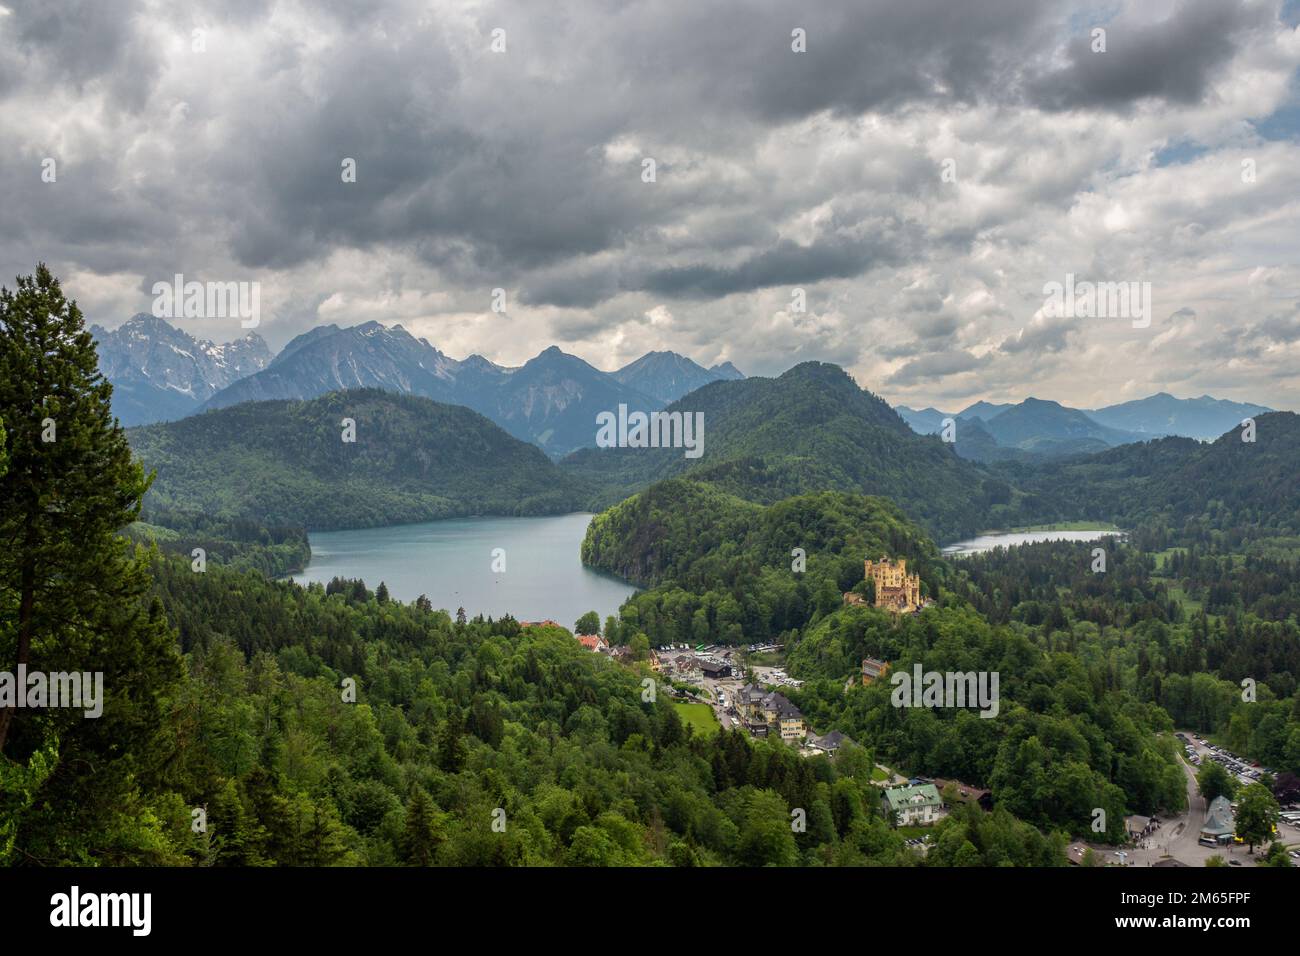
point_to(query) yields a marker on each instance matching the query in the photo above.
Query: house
(771, 711)
(1139, 827)
(912, 806)
(1219, 825)
(786, 718)
(1074, 853)
(828, 744)
(592, 642)
(685, 665)
(873, 669)
(715, 669)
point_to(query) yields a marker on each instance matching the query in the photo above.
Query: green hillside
(1178, 482)
(285, 463)
(810, 429)
(718, 568)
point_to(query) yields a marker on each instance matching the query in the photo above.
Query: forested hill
(286, 463)
(810, 429)
(1180, 482)
(719, 568)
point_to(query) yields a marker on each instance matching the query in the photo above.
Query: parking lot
(721, 692)
(1198, 750)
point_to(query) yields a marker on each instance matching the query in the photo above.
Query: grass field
(699, 716)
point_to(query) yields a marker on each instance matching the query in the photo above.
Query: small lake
(1008, 539)
(451, 561)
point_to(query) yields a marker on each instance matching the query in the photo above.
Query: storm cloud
(917, 171)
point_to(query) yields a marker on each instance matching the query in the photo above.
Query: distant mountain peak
(668, 376)
(160, 372)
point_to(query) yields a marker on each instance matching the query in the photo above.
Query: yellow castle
(895, 588)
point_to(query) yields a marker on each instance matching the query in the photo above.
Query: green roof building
(914, 805)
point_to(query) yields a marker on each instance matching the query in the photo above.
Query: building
(787, 718)
(829, 744)
(896, 590)
(913, 806)
(873, 669)
(1219, 823)
(1139, 827)
(715, 669)
(771, 712)
(686, 665)
(592, 642)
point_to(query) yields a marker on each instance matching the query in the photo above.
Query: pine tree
(421, 837)
(73, 597)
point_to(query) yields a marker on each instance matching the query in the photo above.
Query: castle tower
(895, 588)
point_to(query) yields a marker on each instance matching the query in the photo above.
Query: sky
(918, 173)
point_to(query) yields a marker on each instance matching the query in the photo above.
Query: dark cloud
(1173, 61)
(786, 263)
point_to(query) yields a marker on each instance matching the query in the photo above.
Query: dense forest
(404, 459)
(811, 429)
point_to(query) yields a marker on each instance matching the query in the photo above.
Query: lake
(451, 561)
(1007, 539)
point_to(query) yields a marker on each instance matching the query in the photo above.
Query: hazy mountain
(668, 376)
(1049, 428)
(1034, 428)
(929, 421)
(810, 429)
(160, 372)
(924, 421)
(1162, 414)
(985, 410)
(286, 463)
(552, 400)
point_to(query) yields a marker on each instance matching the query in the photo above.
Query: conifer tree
(73, 598)
(421, 837)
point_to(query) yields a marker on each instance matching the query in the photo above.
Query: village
(739, 688)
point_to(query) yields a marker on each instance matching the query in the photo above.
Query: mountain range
(552, 400)
(1036, 428)
(160, 373)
